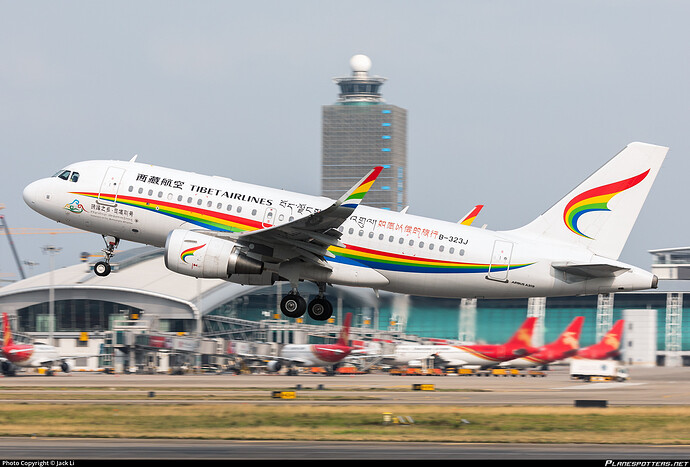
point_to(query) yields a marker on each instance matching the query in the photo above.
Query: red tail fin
(6, 331)
(523, 336)
(344, 338)
(571, 336)
(613, 337)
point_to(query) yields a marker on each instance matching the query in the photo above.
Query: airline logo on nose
(75, 207)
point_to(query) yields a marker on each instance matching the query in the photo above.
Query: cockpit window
(63, 174)
(75, 176)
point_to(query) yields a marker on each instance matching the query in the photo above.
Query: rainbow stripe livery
(374, 259)
(595, 199)
(205, 218)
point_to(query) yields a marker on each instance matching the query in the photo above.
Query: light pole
(52, 251)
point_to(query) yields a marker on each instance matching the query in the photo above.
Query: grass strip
(290, 421)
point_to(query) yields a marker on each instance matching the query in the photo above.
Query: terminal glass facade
(79, 315)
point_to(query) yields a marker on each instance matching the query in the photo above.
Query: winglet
(354, 196)
(471, 216)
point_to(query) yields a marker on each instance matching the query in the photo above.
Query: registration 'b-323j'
(214, 227)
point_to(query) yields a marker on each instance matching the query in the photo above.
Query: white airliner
(482, 355)
(36, 355)
(214, 227)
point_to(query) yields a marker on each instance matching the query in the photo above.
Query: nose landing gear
(102, 268)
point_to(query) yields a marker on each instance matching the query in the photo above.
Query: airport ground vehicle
(597, 370)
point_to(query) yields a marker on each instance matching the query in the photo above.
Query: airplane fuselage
(30, 355)
(381, 249)
(315, 354)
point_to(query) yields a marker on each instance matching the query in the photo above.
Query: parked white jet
(214, 227)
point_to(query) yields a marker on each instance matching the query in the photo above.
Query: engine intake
(198, 255)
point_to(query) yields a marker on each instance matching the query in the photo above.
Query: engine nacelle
(66, 367)
(7, 367)
(198, 255)
(274, 366)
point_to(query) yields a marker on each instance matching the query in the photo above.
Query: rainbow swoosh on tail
(190, 252)
(359, 256)
(353, 200)
(596, 199)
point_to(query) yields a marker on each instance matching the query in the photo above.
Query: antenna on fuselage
(134, 158)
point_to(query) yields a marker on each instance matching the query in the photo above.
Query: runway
(125, 449)
(647, 387)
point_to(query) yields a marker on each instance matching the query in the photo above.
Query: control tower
(361, 131)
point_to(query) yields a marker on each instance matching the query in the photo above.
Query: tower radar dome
(360, 63)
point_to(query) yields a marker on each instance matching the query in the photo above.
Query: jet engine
(7, 368)
(198, 255)
(274, 366)
(66, 367)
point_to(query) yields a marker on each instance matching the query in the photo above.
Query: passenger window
(130, 189)
(75, 176)
(140, 191)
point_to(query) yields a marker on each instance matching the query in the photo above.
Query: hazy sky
(510, 104)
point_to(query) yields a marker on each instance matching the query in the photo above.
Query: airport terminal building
(87, 309)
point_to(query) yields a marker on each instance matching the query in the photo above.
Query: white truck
(597, 370)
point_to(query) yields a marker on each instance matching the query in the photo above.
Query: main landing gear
(102, 268)
(294, 305)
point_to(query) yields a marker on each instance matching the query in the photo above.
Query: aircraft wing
(448, 360)
(307, 238)
(590, 269)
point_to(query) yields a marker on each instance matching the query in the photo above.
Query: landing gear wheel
(293, 305)
(101, 268)
(320, 309)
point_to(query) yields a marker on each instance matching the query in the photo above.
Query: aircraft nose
(31, 194)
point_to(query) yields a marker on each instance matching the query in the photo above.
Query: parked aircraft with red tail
(36, 355)
(564, 347)
(483, 355)
(607, 347)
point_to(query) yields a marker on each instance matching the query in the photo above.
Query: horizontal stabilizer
(590, 269)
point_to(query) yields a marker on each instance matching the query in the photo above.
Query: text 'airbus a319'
(213, 227)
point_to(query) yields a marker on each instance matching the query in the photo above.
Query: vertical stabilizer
(600, 213)
(344, 337)
(6, 331)
(523, 336)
